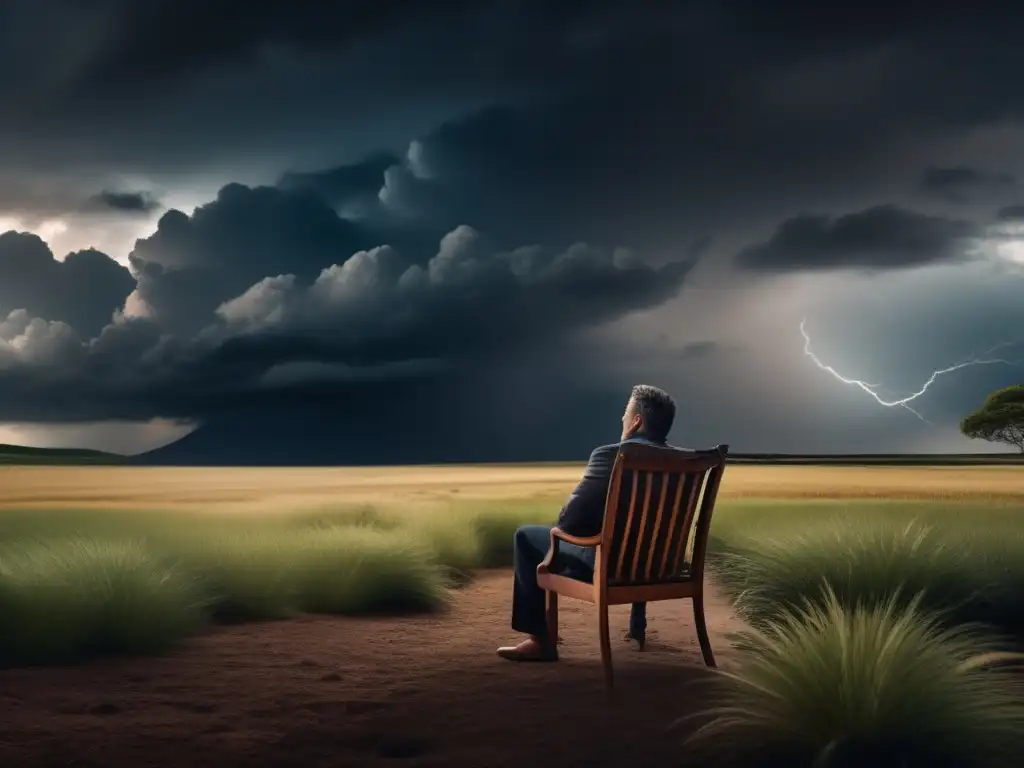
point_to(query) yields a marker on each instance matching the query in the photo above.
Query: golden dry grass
(284, 489)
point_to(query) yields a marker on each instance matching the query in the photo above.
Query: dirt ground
(423, 691)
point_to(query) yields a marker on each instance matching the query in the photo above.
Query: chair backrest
(658, 513)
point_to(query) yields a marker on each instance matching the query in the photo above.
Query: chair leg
(702, 629)
(551, 601)
(606, 644)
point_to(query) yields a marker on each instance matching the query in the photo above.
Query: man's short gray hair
(656, 408)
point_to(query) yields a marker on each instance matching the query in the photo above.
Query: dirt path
(425, 691)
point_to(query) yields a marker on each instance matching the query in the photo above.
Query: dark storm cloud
(193, 263)
(879, 238)
(169, 38)
(356, 182)
(157, 41)
(698, 350)
(550, 174)
(84, 290)
(964, 185)
(1011, 213)
(34, 201)
(123, 202)
(200, 74)
(644, 113)
(645, 124)
(466, 300)
(636, 123)
(215, 335)
(651, 129)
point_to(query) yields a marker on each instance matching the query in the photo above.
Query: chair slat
(681, 486)
(629, 519)
(684, 529)
(639, 540)
(657, 523)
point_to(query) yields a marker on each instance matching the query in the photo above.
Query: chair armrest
(557, 534)
(579, 541)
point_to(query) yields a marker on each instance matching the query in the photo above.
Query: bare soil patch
(423, 691)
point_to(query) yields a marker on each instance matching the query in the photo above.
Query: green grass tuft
(63, 601)
(495, 527)
(358, 570)
(967, 568)
(834, 686)
(275, 574)
(867, 565)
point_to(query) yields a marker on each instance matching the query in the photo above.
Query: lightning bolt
(870, 389)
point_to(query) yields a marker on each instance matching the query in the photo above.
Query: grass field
(259, 490)
(878, 569)
(231, 544)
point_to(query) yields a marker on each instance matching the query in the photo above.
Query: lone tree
(1000, 419)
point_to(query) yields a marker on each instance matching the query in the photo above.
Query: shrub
(834, 686)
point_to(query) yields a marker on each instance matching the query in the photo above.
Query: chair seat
(680, 578)
(574, 572)
(618, 594)
(586, 576)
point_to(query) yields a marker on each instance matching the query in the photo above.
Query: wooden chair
(653, 541)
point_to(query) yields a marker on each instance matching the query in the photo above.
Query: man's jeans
(528, 610)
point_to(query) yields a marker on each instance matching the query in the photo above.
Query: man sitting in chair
(648, 418)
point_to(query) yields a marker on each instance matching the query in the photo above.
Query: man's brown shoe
(529, 650)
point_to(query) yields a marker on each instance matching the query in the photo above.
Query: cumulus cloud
(375, 306)
(878, 238)
(37, 342)
(83, 291)
(191, 264)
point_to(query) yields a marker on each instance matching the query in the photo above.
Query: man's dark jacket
(583, 513)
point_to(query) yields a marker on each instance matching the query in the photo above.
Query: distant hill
(23, 454)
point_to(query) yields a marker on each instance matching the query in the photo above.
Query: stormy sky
(508, 213)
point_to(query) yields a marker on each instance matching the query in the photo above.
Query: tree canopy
(1000, 419)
